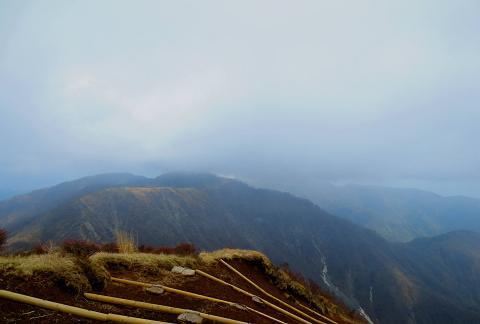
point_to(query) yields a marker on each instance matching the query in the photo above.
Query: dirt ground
(46, 288)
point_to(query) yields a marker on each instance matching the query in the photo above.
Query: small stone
(188, 272)
(257, 299)
(177, 269)
(242, 307)
(156, 290)
(190, 318)
(183, 271)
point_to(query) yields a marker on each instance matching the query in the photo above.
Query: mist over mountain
(424, 281)
(7, 193)
(305, 98)
(346, 91)
(395, 213)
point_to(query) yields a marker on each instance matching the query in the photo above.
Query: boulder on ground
(190, 318)
(156, 290)
(257, 299)
(239, 306)
(183, 271)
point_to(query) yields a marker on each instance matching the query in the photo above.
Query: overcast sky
(383, 92)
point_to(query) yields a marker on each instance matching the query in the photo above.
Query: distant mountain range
(8, 193)
(428, 280)
(396, 214)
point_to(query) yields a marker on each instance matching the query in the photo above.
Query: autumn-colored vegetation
(3, 238)
(80, 248)
(180, 249)
(85, 248)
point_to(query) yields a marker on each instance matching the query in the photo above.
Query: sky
(373, 92)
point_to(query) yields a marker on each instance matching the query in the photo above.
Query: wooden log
(159, 308)
(77, 311)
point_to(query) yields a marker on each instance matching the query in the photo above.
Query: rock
(242, 307)
(190, 318)
(257, 299)
(183, 271)
(156, 290)
(188, 272)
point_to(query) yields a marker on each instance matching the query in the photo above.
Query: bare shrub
(80, 248)
(126, 242)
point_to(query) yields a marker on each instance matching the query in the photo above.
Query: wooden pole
(172, 290)
(77, 311)
(265, 315)
(266, 302)
(192, 295)
(318, 314)
(270, 295)
(159, 308)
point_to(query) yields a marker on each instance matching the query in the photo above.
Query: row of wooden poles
(279, 300)
(192, 295)
(173, 310)
(224, 320)
(77, 311)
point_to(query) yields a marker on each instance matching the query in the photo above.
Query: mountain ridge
(391, 281)
(398, 214)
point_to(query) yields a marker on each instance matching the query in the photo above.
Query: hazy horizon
(292, 187)
(271, 92)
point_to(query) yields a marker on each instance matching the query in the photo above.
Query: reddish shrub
(185, 249)
(146, 248)
(314, 287)
(295, 275)
(181, 249)
(3, 238)
(165, 250)
(80, 248)
(40, 249)
(109, 247)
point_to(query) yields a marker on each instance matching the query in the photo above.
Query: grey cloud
(340, 91)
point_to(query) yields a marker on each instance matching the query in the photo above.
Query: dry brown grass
(142, 262)
(62, 268)
(126, 242)
(81, 274)
(230, 254)
(279, 277)
(28, 265)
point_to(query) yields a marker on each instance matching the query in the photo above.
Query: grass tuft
(230, 254)
(282, 278)
(78, 272)
(126, 242)
(64, 269)
(142, 262)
